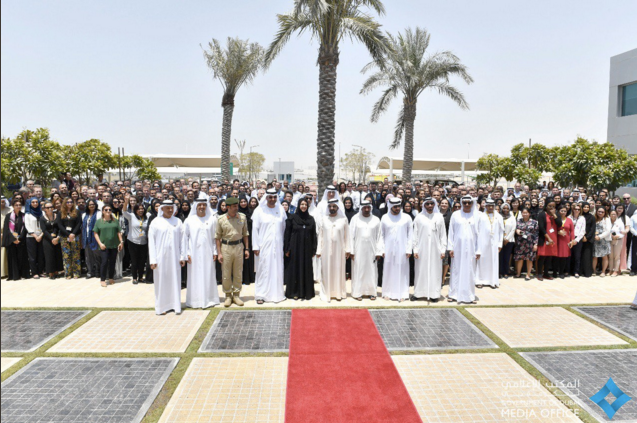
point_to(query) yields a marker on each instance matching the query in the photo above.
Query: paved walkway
(89, 293)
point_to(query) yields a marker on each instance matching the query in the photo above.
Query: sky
(132, 74)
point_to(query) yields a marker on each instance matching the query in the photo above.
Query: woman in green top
(108, 235)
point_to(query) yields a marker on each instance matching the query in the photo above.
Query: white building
(622, 101)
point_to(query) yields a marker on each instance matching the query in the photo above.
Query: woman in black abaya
(300, 242)
(589, 237)
(248, 264)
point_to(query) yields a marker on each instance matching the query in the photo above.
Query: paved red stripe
(339, 371)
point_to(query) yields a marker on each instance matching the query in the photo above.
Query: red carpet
(339, 371)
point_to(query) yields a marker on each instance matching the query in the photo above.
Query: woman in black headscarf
(286, 207)
(248, 264)
(222, 207)
(588, 241)
(183, 210)
(348, 203)
(299, 244)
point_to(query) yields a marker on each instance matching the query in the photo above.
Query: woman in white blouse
(510, 224)
(579, 223)
(617, 234)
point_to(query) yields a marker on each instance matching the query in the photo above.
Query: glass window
(629, 100)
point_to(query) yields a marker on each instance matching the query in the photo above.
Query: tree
(32, 155)
(236, 65)
(253, 163)
(592, 164)
(492, 165)
(91, 157)
(357, 162)
(329, 21)
(138, 167)
(409, 71)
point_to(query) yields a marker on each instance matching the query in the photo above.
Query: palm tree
(329, 21)
(408, 71)
(237, 64)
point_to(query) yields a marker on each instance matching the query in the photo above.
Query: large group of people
(192, 234)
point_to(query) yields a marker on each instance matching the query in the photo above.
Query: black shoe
(631, 274)
(134, 281)
(413, 298)
(88, 276)
(435, 300)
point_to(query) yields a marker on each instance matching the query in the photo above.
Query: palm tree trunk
(408, 156)
(328, 61)
(228, 108)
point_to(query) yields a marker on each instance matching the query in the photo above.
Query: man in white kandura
(397, 239)
(464, 251)
(334, 249)
(166, 258)
(490, 238)
(318, 213)
(430, 244)
(268, 228)
(201, 250)
(366, 249)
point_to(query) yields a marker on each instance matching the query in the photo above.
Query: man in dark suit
(375, 195)
(629, 210)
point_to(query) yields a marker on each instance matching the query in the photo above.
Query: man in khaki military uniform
(231, 228)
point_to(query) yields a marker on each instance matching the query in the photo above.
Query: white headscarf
(193, 212)
(340, 211)
(160, 215)
(263, 203)
(474, 207)
(337, 196)
(424, 210)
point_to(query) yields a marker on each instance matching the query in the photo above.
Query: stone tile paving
(7, 362)
(134, 331)
(241, 331)
(28, 330)
(246, 389)
(529, 327)
(581, 374)
(619, 318)
(83, 293)
(453, 388)
(84, 389)
(428, 329)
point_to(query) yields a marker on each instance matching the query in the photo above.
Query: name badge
(68, 228)
(551, 231)
(524, 236)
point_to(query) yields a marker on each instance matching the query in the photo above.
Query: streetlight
(362, 161)
(250, 176)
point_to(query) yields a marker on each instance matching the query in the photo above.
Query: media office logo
(528, 399)
(600, 398)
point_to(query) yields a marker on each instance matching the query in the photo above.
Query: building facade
(622, 101)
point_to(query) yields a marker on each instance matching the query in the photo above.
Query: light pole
(250, 172)
(360, 174)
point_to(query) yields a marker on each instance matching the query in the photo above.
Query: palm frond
(399, 130)
(366, 30)
(452, 92)
(235, 65)
(383, 102)
(288, 24)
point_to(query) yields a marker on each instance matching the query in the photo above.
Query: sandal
(103, 284)
(260, 301)
(450, 300)
(528, 278)
(36, 277)
(372, 298)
